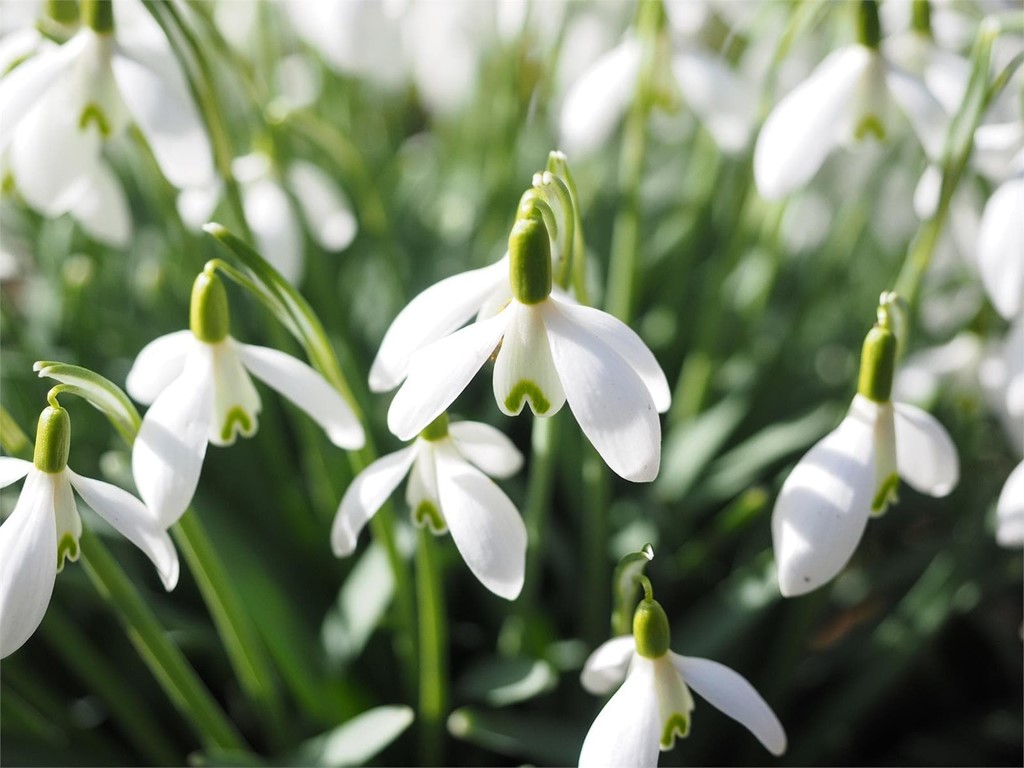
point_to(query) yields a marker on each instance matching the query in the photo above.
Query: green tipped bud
(877, 364)
(53, 440)
(208, 315)
(529, 250)
(64, 12)
(650, 629)
(437, 429)
(869, 29)
(99, 15)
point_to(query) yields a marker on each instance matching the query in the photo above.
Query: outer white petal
(102, 209)
(439, 372)
(722, 99)
(808, 122)
(1000, 248)
(485, 525)
(436, 312)
(524, 370)
(597, 101)
(926, 115)
(168, 453)
(365, 495)
(730, 692)
(486, 447)
(157, 96)
(925, 455)
(607, 396)
(625, 341)
(1010, 510)
(12, 470)
(330, 218)
(606, 667)
(158, 364)
(275, 226)
(627, 731)
(236, 403)
(28, 562)
(823, 507)
(308, 390)
(133, 520)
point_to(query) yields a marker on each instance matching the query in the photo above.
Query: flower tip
(215, 229)
(507, 589)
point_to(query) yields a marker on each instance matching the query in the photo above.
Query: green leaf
(500, 682)
(541, 738)
(100, 392)
(359, 740)
(625, 581)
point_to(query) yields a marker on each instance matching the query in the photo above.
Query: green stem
(538, 502)
(596, 566)
(433, 648)
(171, 669)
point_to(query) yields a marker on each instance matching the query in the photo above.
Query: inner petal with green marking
(67, 548)
(524, 371)
(236, 404)
(886, 494)
(426, 514)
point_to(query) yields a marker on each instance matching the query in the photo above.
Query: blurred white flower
(198, 386)
(1001, 374)
(447, 491)
(1001, 245)
(44, 529)
(1010, 510)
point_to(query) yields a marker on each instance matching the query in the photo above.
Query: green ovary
(67, 547)
(677, 725)
(93, 114)
(885, 495)
(426, 514)
(236, 416)
(527, 390)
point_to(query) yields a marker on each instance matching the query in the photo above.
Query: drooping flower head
(42, 532)
(853, 472)
(199, 387)
(449, 490)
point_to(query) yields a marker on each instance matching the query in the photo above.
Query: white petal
(365, 495)
(67, 521)
(19, 46)
(236, 403)
(1010, 510)
(627, 343)
(308, 390)
(1000, 248)
(485, 525)
(330, 218)
(102, 209)
(272, 219)
(722, 99)
(808, 122)
(168, 453)
(731, 693)
(486, 447)
(925, 454)
(524, 370)
(154, 90)
(596, 102)
(421, 492)
(433, 314)
(607, 396)
(439, 372)
(926, 193)
(923, 110)
(12, 470)
(823, 507)
(627, 731)
(28, 562)
(158, 364)
(674, 702)
(133, 520)
(196, 205)
(606, 667)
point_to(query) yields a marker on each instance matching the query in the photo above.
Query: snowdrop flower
(653, 706)
(199, 387)
(62, 104)
(548, 352)
(447, 491)
(1001, 245)
(1010, 510)
(850, 97)
(43, 530)
(854, 471)
(270, 214)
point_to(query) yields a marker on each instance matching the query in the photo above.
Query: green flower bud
(208, 315)
(529, 250)
(53, 440)
(437, 429)
(877, 364)
(650, 629)
(99, 15)
(869, 29)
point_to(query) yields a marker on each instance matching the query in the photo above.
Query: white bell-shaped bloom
(43, 531)
(849, 475)
(448, 491)
(653, 704)
(851, 96)
(1010, 510)
(1001, 246)
(200, 392)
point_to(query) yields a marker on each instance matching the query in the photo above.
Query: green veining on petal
(93, 114)
(67, 547)
(870, 125)
(236, 416)
(524, 390)
(678, 725)
(885, 495)
(426, 514)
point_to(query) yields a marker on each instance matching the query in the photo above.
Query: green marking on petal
(886, 495)
(527, 390)
(429, 516)
(677, 725)
(67, 547)
(93, 114)
(871, 125)
(236, 416)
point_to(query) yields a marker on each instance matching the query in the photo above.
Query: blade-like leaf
(100, 392)
(625, 581)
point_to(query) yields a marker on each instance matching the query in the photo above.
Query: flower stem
(171, 669)
(538, 500)
(433, 651)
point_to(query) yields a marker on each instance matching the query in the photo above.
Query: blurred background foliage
(756, 312)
